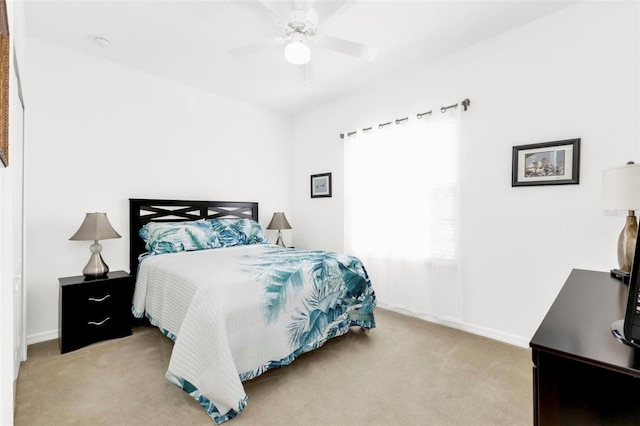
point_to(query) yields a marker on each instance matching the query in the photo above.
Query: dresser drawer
(94, 310)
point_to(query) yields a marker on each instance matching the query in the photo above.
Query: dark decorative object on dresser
(627, 329)
(91, 310)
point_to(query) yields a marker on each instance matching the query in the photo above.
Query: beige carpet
(405, 372)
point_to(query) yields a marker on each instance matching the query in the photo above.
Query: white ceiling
(188, 41)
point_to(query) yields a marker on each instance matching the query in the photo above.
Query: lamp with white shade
(621, 192)
(279, 221)
(95, 227)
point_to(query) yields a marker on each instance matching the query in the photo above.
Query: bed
(235, 304)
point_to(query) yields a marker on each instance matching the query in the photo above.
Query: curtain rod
(465, 104)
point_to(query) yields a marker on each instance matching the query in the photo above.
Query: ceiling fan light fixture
(297, 53)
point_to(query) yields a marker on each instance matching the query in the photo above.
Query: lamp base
(621, 275)
(96, 268)
(280, 242)
(627, 242)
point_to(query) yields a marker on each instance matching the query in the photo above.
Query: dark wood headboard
(143, 211)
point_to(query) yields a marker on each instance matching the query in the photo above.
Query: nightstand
(92, 310)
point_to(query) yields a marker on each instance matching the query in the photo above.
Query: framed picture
(321, 185)
(549, 163)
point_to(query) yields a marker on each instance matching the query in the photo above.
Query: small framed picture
(321, 185)
(548, 163)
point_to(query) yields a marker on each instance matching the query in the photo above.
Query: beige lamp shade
(279, 221)
(95, 227)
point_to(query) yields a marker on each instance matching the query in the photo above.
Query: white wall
(571, 74)
(102, 133)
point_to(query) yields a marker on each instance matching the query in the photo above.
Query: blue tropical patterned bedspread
(237, 312)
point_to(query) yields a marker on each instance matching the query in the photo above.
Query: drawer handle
(99, 323)
(93, 299)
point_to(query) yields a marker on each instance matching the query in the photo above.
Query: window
(401, 210)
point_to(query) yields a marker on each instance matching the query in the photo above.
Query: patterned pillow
(236, 232)
(173, 237)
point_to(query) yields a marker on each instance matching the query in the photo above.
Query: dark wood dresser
(92, 310)
(582, 375)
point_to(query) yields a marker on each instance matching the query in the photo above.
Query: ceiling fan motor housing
(299, 27)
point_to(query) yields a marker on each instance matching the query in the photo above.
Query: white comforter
(238, 311)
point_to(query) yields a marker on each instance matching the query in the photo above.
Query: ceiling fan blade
(348, 47)
(306, 73)
(284, 8)
(265, 44)
(262, 11)
(327, 9)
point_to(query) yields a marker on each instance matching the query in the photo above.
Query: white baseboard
(470, 328)
(42, 337)
(490, 333)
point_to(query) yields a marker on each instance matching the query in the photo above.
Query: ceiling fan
(297, 23)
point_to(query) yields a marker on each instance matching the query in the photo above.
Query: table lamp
(279, 222)
(621, 192)
(95, 227)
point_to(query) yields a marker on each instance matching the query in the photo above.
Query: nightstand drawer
(94, 301)
(94, 310)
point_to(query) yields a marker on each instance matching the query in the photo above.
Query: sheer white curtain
(402, 213)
